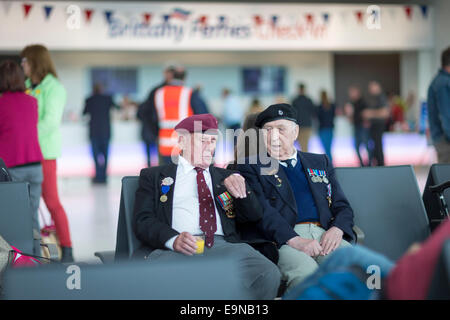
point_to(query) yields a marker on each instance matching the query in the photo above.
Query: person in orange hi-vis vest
(173, 103)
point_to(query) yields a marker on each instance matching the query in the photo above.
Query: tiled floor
(93, 212)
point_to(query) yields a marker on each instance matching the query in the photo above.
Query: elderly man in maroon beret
(175, 203)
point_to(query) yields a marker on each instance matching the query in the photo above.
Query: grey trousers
(33, 175)
(261, 277)
(443, 151)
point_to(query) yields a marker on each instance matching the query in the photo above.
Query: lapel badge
(279, 180)
(165, 188)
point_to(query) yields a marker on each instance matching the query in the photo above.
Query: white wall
(212, 70)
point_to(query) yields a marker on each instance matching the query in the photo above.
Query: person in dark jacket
(325, 115)
(439, 109)
(176, 202)
(354, 110)
(306, 113)
(305, 211)
(98, 106)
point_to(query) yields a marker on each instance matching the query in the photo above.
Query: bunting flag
(424, 10)
(326, 17)
(27, 8)
(221, 19)
(408, 11)
(48, 11)
(88, 14)
(166, 18)
(258, 20)
(7, 6)
(274, 21)
(309, 18)
(180, 14)
(203, 20)
(147, 17)
(108, 15)
(359, 16)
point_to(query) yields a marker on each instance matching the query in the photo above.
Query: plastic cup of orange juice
(200, 241)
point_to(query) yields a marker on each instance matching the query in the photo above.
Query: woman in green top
(42, 83)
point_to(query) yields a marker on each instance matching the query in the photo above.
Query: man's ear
(296, 131)
(181, 141)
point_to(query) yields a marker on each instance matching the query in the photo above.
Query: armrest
(106, 257)
(359, 235)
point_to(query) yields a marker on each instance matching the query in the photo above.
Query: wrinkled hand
(185, 243)
(235, 184)
(331, 240)
(309, 246)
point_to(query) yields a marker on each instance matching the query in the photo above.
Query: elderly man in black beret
(305, 211)
(177, 202)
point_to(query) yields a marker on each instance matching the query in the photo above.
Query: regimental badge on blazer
(165, 188)
(226, 202)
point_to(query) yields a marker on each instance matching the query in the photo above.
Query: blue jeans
(326, 136)
(362, 137)
(340, 260)
(100, 149)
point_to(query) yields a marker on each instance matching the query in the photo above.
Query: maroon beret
(198, 123)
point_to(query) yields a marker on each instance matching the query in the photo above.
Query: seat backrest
(197, 279)
(439, 173)
(387, 205)
(16, 225)
(440, 283)
(127, 242)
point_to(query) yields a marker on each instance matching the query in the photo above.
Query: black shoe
(66, 255)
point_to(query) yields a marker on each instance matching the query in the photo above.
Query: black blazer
(152, 222)
(279, 204)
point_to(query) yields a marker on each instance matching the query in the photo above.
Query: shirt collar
(293, 158)
(186, 166)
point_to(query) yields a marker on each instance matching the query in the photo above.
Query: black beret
(276, 112)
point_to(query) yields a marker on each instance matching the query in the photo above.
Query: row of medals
(316, 179)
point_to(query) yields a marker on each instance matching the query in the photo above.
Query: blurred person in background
(19, 145)
(128, 108)
(148, 116)
(325, 114)
(439, 109)
(43, 84)
(377, 113)
(306, 112)
(233, 113)
(98, 107)
(255, 107)
(173, 102)
(354, 110)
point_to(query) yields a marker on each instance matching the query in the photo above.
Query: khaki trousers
(304, 135)
(296, 265)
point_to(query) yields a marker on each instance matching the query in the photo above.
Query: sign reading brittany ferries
(199, 26)
(185, 29)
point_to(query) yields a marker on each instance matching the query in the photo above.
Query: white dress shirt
(293, 158)
(185, 209)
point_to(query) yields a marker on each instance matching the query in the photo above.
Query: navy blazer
(279, 204)
(152, 221)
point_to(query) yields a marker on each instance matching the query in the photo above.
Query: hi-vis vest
(173, 105)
